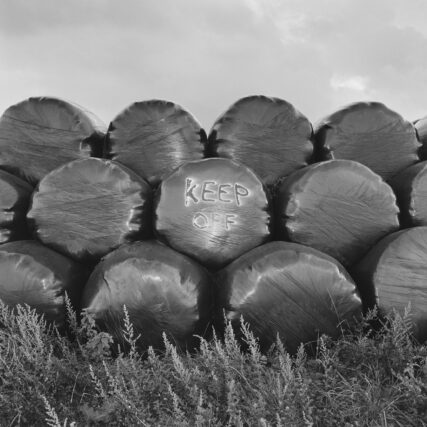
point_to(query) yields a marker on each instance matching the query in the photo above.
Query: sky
(204, 55)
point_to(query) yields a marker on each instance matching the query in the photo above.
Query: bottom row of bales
(279, 288)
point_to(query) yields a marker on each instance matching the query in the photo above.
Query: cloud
(355, 83)
(317, 54)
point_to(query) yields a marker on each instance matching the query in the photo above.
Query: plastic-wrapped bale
(339, 207)
(163, 291)
(35, 275)
(213, 210)
(267, 134)
(393, 275)
(421, 128)
(15, 197)
(369, 133)
(88, 207)
(39, 134)
(155, 137)
(288, 289)
(410, 187)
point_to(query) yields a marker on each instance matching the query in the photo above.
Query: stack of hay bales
(297, 230)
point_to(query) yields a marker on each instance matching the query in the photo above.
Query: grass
(365, 378)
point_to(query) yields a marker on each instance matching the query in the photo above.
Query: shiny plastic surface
(15, 197)
(213, 210)
(163, 291)
(288, 289)
(339, 207)
(369, 133)
(393, 274)
(39, 134)
(155, 137)
(267, 134)
(35, 275)
(410, 187)
(88, 207)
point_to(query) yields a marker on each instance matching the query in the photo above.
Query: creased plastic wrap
(267, 134)
(35, 275)
(163, 291)
(39, 134)
(393, 275)
(369, 133)
(288, 289)
(410, 187)
(15, 197)
(89, 207)
(339, 207)
(155, 137)
(213, 210)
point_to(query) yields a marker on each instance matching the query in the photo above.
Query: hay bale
(163, 291)
(15, 197)
(39, 134)
(288, 289)
(410, 189)
(155, 137)
(421, 128)
(89, 207)
(393, 274)
(35, 275)
(267, 134)
(371, 134)
(213, 210)
(339, 207)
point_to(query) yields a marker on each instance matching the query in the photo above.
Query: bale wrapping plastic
(339, 207)
(163, 291)
(421, 128)
(288, 289)
(39, 134)
(35, 275)
(213, 210)
(88, 207)
(410, 187)
(155, 137)
(267, 134)
(369, 133)
(15, 197)
(393, 274)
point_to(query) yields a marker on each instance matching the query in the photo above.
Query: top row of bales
(153, 138)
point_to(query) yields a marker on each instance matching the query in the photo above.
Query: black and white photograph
(213, 213)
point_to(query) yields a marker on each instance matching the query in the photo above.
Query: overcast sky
(205, 54)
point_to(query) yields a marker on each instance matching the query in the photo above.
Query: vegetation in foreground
(363, 379)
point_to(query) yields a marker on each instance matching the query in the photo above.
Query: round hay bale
(410, 187)
(288, 289)
(267, 134)
(339, 207)
(371, 134)
(89, 207)
(163, 291)
(15, 197)
(39, 134)
(35, 275)
(393, 274)
(213, 210)
(421, 128)
(155, 137)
